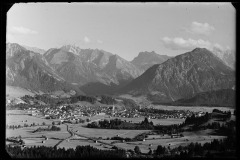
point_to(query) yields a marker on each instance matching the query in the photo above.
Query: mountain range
(77, 68)
(95, 71)
(31, 71)
(92, 71)
(145, 60)
(228, 56)
(182, 77)
(34, 49)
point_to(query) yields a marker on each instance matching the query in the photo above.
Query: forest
(51, 152)
(52, 128)
(216, 148)
(119, 124)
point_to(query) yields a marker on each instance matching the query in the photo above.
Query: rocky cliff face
(70, 65)
(227, 56)
(35, 49)
(183, 76)
(145, 60)
(82, 66)
(30, 70)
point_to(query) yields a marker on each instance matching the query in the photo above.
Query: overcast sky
(124, 28)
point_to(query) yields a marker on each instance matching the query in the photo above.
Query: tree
(160, 150)
(137, 150)
(145, 120)
(21, 141)
(151, 123)
(150, 152)
(209, 155)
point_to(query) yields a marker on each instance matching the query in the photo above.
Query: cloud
(218, 46)
(201, 28)
(99, 41)
(179, 43)
(86, 39)
(21, 30)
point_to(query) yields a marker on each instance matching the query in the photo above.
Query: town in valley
(121, 80)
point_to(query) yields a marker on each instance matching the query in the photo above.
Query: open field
(200, 137)
(21, 120)
(54, 137)
(27, 132)
(38, 142)
(74, 143)
(194, 109)
(104, 133)
(35, 139)
(16, 112)
(168, 121)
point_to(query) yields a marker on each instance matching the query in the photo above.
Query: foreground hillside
(182, 77)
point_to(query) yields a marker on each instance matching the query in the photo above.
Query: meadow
(200, 137)
(105, 133)
(74, 143)
(168, 121)
(152, 141)
(193, 109)
(25, 119)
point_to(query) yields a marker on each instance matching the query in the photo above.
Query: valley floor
(72, 135)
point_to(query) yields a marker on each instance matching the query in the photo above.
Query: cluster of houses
(75, 113)
(178, 114)
(127, 113)
(10, 101)
(78, 111)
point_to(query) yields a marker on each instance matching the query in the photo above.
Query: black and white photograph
(104, 80)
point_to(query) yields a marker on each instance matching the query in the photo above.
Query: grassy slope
(16, 92)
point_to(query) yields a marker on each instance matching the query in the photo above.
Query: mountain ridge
(90, 65)
(182, 76)
(146, 59)
(30, 70)
(95, 71)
